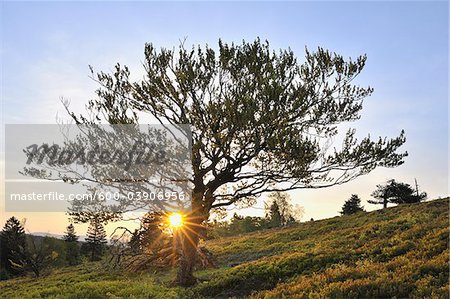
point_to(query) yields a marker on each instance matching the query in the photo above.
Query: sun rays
(175, 220)
(185, 230)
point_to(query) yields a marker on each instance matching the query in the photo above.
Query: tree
(280, 211)
(22, 253)
(39, 255)
(72, 248)
(153, 245)
(406, 194)
(260, 120)
(397, 193)
(274, 215)
(240, 224)
(352, 205)
(13, 246)
(96, 239)
(70, 235)
(150, 237)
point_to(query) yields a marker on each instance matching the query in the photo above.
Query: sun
(175, 220)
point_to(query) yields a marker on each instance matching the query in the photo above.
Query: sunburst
(175, 220)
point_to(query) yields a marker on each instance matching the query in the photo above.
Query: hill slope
(396, 252)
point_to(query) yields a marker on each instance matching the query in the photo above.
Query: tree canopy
(72, 248)
(352, 205)
(280, 211)
(252, 108)
(396, 193)
(261, 120)
(96, 239)
(13, 247)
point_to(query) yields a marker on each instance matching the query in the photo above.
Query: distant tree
(273, 215)
(4, 274)
(96, 240)
(70, 235)
(238, 224)
(406, 194)
(280, 211)
(72, 248)
(396, 193)
(352, 205)
(13, 246)
(245, 224)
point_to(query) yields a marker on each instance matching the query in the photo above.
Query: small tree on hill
(70, 235)
(397, 193)
(352, 205)
(72, 248)
(96, 240)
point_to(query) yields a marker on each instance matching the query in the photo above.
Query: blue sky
(47, 47)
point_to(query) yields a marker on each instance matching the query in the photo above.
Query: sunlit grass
(401, 251)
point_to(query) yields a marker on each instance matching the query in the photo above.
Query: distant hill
(396, 252)
(56, 236)
(42, 234)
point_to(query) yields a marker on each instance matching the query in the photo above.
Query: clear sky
(46, 48)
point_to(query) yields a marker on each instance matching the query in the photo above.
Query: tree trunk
(385, 202)
(186, 263)
(189, 237)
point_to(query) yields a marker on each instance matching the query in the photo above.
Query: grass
(397, 252)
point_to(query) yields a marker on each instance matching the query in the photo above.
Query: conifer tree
(72, 248)
(352, 205)
(280, 211)
(96, 239)
(13, 246)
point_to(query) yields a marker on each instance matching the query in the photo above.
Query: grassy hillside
(398, 252)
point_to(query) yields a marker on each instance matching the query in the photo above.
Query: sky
(46, 48)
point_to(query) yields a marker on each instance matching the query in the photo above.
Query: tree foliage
(396, 193)
(22, 253)
(251, 107)
(352, 205)
(72, 247)
(152, 243)
(280, 211)
(261, 120)
(13, 246)
(96, 240)
(39, 255)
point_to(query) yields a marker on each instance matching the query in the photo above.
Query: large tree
(261, 121)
